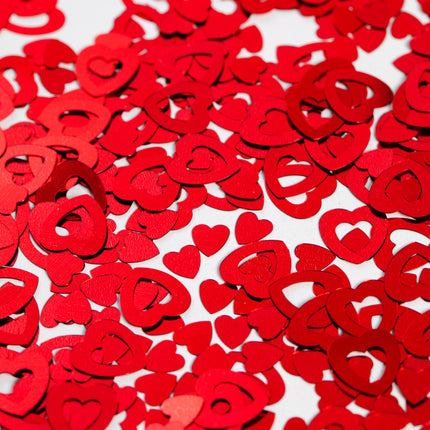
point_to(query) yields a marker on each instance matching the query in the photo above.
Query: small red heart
(137, 247)
(212, 358)
(156, 386)
(61, 266)
(260, 356)
(216, 296)
(163, 358)
(414, 385)
(232, 331)
(183, 409)
(250, 229)
(185, 263)
(312, 257)
(268, 321)
(310, 365)
(157, 224)
(102, 289)
(196, 336)
(209, 240)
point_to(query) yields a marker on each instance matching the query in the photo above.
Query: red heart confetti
(110, 154)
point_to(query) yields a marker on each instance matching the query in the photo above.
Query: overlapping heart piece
(98, 180)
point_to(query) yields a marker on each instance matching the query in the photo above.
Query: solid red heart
(379, 339)
(157, 224)
(156, 386)
(102, 77)
(209, 240)
(185, 263)
(216, 297)
(163, 358)
(183, 409)
(268, 321)
(250, 229)
(312, 257)
(196, 336)
(213, 357)
(260, 356)
(414, 385)
(232, 331)
(137, 247)
(310, 365)
(102, 289)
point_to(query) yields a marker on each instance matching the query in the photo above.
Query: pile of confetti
(77, 165)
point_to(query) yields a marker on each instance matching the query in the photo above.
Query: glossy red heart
(62, 394)
(185, 263)
(31, 387)
(250, 229)
(82, 355)
(153, 285)
(361, 251)
(209, 240)
(379, 339)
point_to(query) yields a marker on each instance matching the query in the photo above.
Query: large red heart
(339, 299)
(96, 66)
(379, 339)
(327, 280)
(382, 94)
(28, 391)
(299, 94)
(341, 149)
(362, 251)
(150, 313)
(61, 394)
(88, 240)
(386, 199)
(402, 286)
(82, 355)
(62, 174)
(13, 297)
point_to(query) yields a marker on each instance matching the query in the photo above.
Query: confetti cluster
(286, 119)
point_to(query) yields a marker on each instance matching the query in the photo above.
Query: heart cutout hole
(81, 416)
(370, 367)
